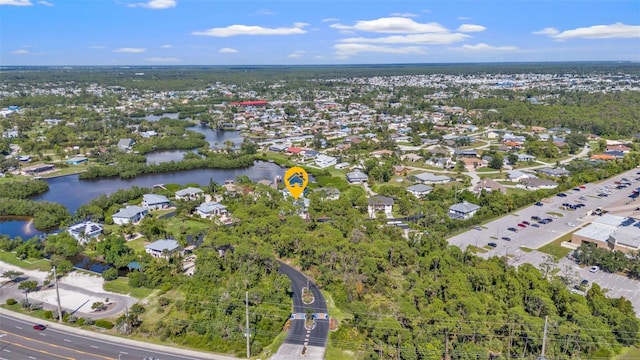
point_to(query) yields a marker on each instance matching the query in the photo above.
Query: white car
(594, 269)
(571, 224)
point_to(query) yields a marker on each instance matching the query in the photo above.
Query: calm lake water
(18, 227)
(215, 138)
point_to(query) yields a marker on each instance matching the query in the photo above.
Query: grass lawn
(334, 311)
(28, 264)
(337, 354)
(555, 214)
(174, 225)
(629, 354)
(121, 286)
(526, 249)
(273, 347)
(554, 248)
(66, 171)
(137, 245)
(478, 250)
(487, 169)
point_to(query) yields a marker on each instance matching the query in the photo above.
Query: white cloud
(162, 59)
(547, 31)
(166, 46)
(393, 25)
(235, 30)
(296, 54)
(130, 50)
(408, 15)
(227, 51)
(156, 4)
(346, 50)
(16, 2)
(21, 52)
(611, 31)
(95, 47)
(329, 20)
(467, 28)
(486, 47)
(421, 39)
(45, 3)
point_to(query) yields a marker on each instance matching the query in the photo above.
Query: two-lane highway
(303, 343)
(19, 340)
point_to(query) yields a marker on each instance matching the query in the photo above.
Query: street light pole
(55, 278)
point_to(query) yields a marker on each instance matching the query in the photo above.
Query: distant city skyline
(288, 32)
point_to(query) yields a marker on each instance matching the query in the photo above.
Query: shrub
(89, 321)
(72, 319)
(80, 321)
(48, 314)
(163, 301)
(11, 301)
(110, 274)
(105, 324)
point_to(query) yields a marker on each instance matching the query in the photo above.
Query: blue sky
(283, 32)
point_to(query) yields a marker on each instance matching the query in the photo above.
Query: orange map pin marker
(296, 180)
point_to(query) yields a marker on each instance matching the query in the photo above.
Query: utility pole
(246, 300)
(544, 337)
(55, 278)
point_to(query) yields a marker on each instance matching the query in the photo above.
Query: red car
(39, 327)
(522, 225)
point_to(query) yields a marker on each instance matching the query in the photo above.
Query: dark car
(505, 238)
(493, 245)
(535, 225)
(39, 327)
(525, 222)
(576, 189)
(535, 218)
(562, 195)
(584, 282)
(512, 229)
(539, 203)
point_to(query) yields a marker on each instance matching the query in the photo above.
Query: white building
(324, 161)
(130, 214)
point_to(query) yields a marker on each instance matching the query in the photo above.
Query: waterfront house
(85, 231)
(126, 144)
(129, 215)
(189, 193)
(38, 169)
(77, 160)
(162, 248)
(155, 201)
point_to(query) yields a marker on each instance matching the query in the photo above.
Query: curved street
(299, 338)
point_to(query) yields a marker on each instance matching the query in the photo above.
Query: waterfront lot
(518, 249)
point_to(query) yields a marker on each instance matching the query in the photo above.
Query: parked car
(525, 222)
(584, 282)
(582, 187)
(571, 224)
(522, 225)
(493, 245)
(562, 195)
(39, 327)
(594, 269)
(505, 238)
(535, 218)
(539, 203)
(512, 229)
(477, 228)
(536, 225)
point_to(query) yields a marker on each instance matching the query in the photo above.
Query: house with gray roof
(463, 211)
(357, 177)
(379, 203)
(328, 193)
(129, 215)
(211, 209)
(489, 185)
(429, 178)
(85, 231)
(126, 144)
(553, 172)
(517, 175)
(533, 184)
(189, 193)
(155, 201)
(419, 190)
(163, 248)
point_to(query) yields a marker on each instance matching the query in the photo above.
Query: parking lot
(564, 221)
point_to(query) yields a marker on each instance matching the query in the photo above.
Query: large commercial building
(612, 232)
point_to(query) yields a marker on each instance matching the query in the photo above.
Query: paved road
(298, 336)
(18, 340)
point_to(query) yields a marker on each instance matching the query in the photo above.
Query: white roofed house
(324, 161)
(163, 248)
(210, 210)
(129, 215)
(463, 211)
(155, 202)
(85, 231)
(357, 177)
(429, 178)
(189, 193)
(126, 144)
